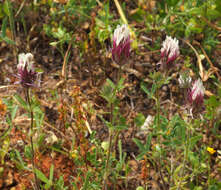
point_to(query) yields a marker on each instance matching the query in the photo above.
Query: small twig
(208, 59)
(20, 8)
(201, 69)
(63, 72)
(4, 90)
(148, 52)
(210, 24)
(120, 11)
(8, 86)
(131, 71)
(52, 127)
(99, 3)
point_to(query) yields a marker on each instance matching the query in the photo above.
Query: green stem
(118, 132)
(158, 135)
(111, 132)
(185, 157)
(158, 111)
(31, 138)
(109, 150)
(209, 171)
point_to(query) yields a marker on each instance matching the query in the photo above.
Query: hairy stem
(185, 157)
(109, 150)
(158, 136)
(31, 138)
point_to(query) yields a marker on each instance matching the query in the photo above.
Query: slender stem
(119, 73)
(111, 132)
(109, 149)
(158, 136)
(185, 156)
(158, 110)
(118, 132)
(107, 162)
(31, 138)
(209, 171)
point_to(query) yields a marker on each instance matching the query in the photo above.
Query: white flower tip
(198, 89)
(121, 33)
(25, 60)
(170, 46)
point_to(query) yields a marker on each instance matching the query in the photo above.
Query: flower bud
(184, 80)
(169, 51)
(121, 44)
(26, 71)
(196, 93)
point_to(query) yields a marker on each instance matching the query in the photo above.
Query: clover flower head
(169, 51)
(26, 71)
(184, 80)
(121, 43)
(196, 93)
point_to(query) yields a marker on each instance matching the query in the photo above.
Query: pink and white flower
(121, 44)
(26, 71)
(169, 51)
(196, 93)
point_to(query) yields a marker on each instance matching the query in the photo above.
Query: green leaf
(139, 120)
(120, 85)
(4, 149)
(139, 144)
(143, 87)
(108, 91)
(3, 32)
(41, 176)
(148, 143)
(28, 151)
(6, 8)
(212, 101)
(140, 156)
(22, 164)
(218, 5)
(120, 150)
(177, 171)
(198, 188)
(111, 83)
(194, 140)
(51, 174)
(21, 101)
(195, 11)
(107, 123)
(9, 41)
(4, 26)
(14, 111)
(86, 183)
(172, 3)
(194, 159)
